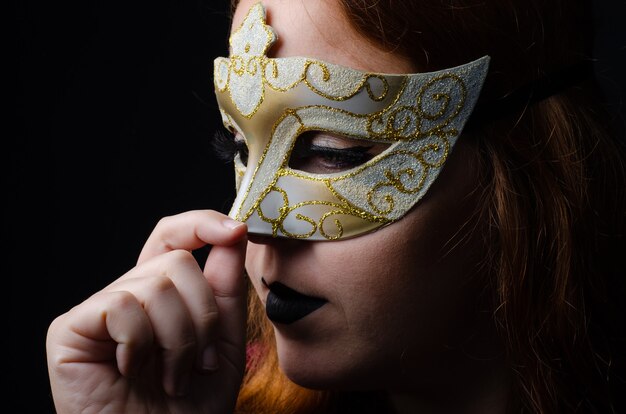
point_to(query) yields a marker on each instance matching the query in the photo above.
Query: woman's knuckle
(116, 300)
(208, 319)
(179, 257)
(159, 284)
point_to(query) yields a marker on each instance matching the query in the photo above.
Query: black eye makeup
(324, 153)
(314, 151)
(227, 146)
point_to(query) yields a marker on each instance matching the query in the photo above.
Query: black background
(115, 115)
(116, 111)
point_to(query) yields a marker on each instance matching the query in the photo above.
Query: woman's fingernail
(231, 224)
(209, 358)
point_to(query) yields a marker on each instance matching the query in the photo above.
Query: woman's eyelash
(340, 156)
(226, 147)
(223, 146)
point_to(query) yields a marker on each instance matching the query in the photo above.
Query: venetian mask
(270, 102)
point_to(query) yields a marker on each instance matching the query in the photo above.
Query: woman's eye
(321, 153)
(227, 146)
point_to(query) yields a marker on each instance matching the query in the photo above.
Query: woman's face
(402, 302)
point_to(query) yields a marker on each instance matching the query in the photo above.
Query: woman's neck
(487, 393)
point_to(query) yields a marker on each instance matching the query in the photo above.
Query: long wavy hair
(552, 194)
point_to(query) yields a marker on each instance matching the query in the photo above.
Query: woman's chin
(321, 369)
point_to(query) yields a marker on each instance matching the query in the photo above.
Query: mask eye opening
(322, 152)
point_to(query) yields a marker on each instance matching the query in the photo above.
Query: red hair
(552, 194)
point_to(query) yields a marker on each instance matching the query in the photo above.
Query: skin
(405, 312)
(165, 337)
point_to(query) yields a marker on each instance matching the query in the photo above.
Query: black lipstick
(285, 305)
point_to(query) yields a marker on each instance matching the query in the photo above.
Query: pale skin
(404, 315)
(104, 354)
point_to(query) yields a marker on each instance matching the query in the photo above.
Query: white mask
(270, 102)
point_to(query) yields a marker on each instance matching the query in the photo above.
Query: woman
(491, 288)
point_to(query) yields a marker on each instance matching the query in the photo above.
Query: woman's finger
(182, 268)
(224, 270)
(172, 327)
(191, 230)
(111, 326)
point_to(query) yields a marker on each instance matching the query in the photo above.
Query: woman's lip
(285, 305)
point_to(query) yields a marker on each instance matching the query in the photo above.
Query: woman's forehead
(320, 30)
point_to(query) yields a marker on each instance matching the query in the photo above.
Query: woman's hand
(166, 337)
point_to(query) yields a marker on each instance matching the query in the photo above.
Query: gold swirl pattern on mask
(343, 206)
(404, 122)
(323, 84)
(405, 180)
(398, 179)
(364, 82)
(327, 81)
(285, 115)
(221, 74)
(251, 70)
(340, 207)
